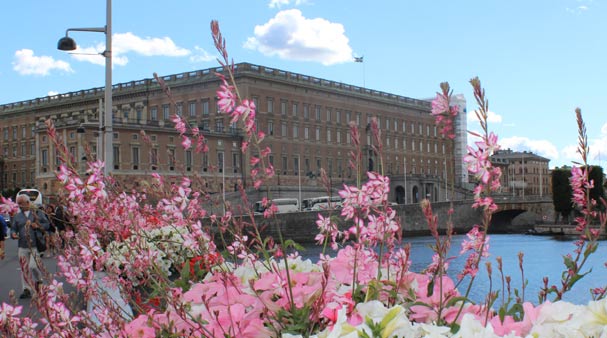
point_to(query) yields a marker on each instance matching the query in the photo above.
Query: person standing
(3, 232)
(24, 226)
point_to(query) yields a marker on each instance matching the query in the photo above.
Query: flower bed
(163, 262)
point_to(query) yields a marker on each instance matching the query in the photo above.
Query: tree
(598, 191)
(561, 191)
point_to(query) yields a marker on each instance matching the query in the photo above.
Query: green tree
(598, 191)
(561, 191)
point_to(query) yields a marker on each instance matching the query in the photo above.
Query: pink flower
(139, 328)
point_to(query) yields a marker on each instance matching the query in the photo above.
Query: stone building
(524, 174)
(305, 119)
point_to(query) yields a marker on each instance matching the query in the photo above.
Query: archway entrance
(415, 194)
(400, 195)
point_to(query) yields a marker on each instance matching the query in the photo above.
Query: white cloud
(539, 147)
(26, 63)
(280, 3)
(52, 93)
(124, 43)
(598, 149)
(202, 55)
(291, 36)
(492, 117)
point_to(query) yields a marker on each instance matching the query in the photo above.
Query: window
(154, 156)
(135, 151)
(192, 109)
(420, 128)
(395, 143)
(358, 117)
(205, 107)
(23, 129)
(412, 145)
(116, 154)
(14, 133)
(235, 161)
(306, 133)
(338, 136)
(165, 111)
(283, 129)
(412, 128)
(348, 116)
(270, 102)
(317, 111)
(317, 133)
(154, 114)
(205, 161)
(23, 150)
(328, 115)
(139, 113)
(295, 165)
(220, 163)
(328, 135)
(44, 156)
(219, 125)
(256, 101)
(284, 165)
(387, 123)
(270, 127)
(294, 112)
(306, 112)
(395, 125)
(338, 117)
(295, 131)
(205, 125)
(171, 154)
(283, 107)
(435, 131)
(427, 130)
(5, 131)
(188, 160)
(32, 148)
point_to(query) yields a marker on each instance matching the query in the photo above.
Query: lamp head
(66, 43)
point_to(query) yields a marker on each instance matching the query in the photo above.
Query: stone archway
(415, 195)
(400, 195)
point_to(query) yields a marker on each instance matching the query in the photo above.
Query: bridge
(514, 215)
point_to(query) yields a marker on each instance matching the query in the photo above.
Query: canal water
(543, 257)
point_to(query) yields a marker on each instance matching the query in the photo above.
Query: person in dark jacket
(25, 224)
(3, 227)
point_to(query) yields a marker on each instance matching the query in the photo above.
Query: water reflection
(542, 258)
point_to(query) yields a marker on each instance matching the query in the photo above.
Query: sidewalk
(10, 277)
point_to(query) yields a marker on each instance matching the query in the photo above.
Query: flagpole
(360, 59)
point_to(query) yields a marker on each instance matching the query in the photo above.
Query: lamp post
(67, 44)
(405, 176)
(299, 177)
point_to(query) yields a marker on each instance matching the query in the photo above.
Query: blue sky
(538, 60)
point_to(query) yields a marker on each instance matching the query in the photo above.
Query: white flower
(472, 328)
(592, 320)
(432, 331)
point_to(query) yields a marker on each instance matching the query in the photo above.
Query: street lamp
(67, 44)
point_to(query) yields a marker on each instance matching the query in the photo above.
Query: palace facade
(306, 120)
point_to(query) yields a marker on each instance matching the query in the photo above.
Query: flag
(358, 59)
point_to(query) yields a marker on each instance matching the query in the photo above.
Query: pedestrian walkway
(10, 277)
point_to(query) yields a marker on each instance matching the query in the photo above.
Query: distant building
(523, 173)
(305, 119)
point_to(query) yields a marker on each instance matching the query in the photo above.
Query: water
(542, 258)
